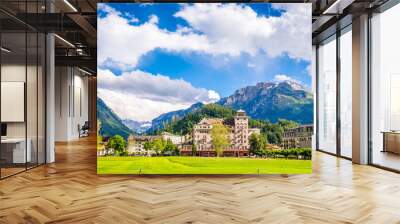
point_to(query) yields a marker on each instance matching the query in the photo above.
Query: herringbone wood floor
(70, 191)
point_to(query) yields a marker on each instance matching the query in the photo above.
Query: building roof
(211, 121)
(143, 137)
(241, 113)
(300, 127)
(170, 134)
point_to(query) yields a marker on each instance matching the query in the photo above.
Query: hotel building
(239, 134)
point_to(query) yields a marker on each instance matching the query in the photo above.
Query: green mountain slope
(111, 124)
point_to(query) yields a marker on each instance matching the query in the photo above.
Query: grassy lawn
(200, 165)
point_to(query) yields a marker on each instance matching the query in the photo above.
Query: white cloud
(131, 18)
(283, 77)
(294, 83)
(309, 70)
(146, 4)
(229, 29)
(125, 43)
(251, 65)
(143, 96)
(213, 96)
(128, 106)
(107, 9)
(153, 19)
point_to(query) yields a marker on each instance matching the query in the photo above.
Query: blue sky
(203, 51)
(210, 72)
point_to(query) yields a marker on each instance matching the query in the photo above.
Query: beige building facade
(239, 132)
(300, 137)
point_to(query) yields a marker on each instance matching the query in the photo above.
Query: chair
(84, 130)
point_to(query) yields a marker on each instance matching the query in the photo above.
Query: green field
(200, 165)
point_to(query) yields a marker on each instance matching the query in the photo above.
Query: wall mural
(204, 88)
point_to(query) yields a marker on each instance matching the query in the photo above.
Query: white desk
(19, 153)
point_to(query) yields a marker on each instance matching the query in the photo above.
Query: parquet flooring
(70, 191)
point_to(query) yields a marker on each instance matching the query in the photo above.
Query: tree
(258, 144)
(148, 146)
(285, 153)
(287, 124)
(254, 144)
(263, 142)
(194, 149)
(219, 138)
(118, 143)
(158, 145)
(273, 137)
(162, 147)
(170, 148)
(295, 153)
(273, 153)
(305, 153)
(269, 153)
(273, 132)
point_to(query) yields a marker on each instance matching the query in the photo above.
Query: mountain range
(272, 101)
(166, 118)
(137, 126)
(110, 123)
(265, 101)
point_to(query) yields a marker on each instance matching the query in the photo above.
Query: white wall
(71, 102)
(62, 82)
(80, 110)
(12, 73)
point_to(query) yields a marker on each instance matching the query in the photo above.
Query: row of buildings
(299, 137)
(136, 142)
(238, 135)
